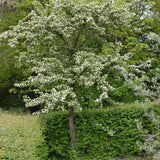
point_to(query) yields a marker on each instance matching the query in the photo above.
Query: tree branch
(75, 44)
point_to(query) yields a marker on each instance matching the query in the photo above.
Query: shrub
(8, 101)
(151, 144)
(105, 133)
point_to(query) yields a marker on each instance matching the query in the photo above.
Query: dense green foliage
(100, 134)
(11, 12)
(12, 101)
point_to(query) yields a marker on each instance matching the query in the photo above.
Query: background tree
(11, 11)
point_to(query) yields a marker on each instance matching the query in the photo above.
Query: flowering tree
(61, 43)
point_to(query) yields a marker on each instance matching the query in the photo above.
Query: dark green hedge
(93, 132)
(8, 101)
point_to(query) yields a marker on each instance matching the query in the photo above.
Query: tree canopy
(62, 43)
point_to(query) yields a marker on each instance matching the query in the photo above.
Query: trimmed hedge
(100, 134)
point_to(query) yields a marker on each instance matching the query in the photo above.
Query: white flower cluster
(106, 129)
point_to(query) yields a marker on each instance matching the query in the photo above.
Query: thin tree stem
(72, 129)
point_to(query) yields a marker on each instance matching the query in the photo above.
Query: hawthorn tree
(62, 42)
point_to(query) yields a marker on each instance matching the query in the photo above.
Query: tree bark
(158, 54)
(72, 129)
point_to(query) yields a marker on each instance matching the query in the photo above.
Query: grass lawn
(19, 137)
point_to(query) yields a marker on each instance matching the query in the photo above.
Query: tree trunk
(72, 129)
(158, 51)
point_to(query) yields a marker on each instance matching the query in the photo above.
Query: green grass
(20, 136)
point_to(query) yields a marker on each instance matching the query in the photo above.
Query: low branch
(151, 136)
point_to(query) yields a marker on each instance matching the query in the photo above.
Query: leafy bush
(20, 138)
(105, 133)
(11, 101)
(151, 145)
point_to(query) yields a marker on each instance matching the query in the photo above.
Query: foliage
(131, 31)
(143, 21)
(21, 138)
(76, 54)
(151, 145)
(11, 13)
(101, 134)
(66, 70)
(12, 101)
